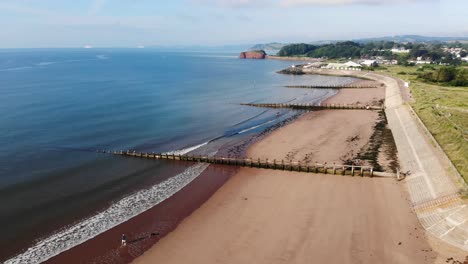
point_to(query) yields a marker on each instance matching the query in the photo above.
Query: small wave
(187, 150)
(102, 57)
(79, 60)
(254, 127)
(45, 63)
(16, 68)
(116, 214)
(251, 118)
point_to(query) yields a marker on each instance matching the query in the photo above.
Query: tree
(388, 45)
(296, 49)
(461, 78)
(445, 74)
(402, 59)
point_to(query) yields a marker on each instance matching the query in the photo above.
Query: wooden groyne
(332, 86)
(297, 166)
(318, 107)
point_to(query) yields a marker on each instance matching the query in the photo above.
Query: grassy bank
(444, 111)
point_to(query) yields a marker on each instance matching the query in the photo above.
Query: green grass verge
(444, 111)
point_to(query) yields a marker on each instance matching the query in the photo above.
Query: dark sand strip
(159, 220)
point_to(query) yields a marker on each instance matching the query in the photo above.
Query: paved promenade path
(433, 183)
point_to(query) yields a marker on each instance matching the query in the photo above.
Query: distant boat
(140, 47)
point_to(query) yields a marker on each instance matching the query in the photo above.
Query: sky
(130, 23)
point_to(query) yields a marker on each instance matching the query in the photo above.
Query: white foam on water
(16, 68)
(254, 127)
(45, 63)
(116, 214)
(186, 150)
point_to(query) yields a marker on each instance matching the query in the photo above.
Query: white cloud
(96, 6)
(233, 3)
(349, 2)
(273, 3)
(23, 9)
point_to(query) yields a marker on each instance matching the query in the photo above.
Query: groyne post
(249, 162)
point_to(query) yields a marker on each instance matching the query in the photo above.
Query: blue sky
(129, 23)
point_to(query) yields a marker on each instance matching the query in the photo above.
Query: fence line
(332, 86)
(259, 163)
(316, 106)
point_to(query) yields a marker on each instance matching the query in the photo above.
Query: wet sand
(147, 228)
(263, 216)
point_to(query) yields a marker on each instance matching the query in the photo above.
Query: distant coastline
(274, 57)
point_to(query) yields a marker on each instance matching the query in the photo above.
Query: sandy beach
(331, 136)
(262, 216)
(321, 136)
(363, 96)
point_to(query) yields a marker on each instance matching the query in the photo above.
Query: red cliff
(256, 54)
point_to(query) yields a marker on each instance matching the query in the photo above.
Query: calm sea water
(59, 106)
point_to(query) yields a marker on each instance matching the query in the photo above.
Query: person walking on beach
(124, 240)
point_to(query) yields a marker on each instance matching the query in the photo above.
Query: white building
(400, 50)
(390, 62)
(419, 60)
(350, 66)
(369, 63)
(454, 51)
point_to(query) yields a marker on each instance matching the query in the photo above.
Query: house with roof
(400, 50)
(370, 63)
(350, 66)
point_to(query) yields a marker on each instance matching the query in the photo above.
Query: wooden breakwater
(318, 107)
(297, 166)
(333, 86)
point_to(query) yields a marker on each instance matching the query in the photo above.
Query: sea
(59, 107)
